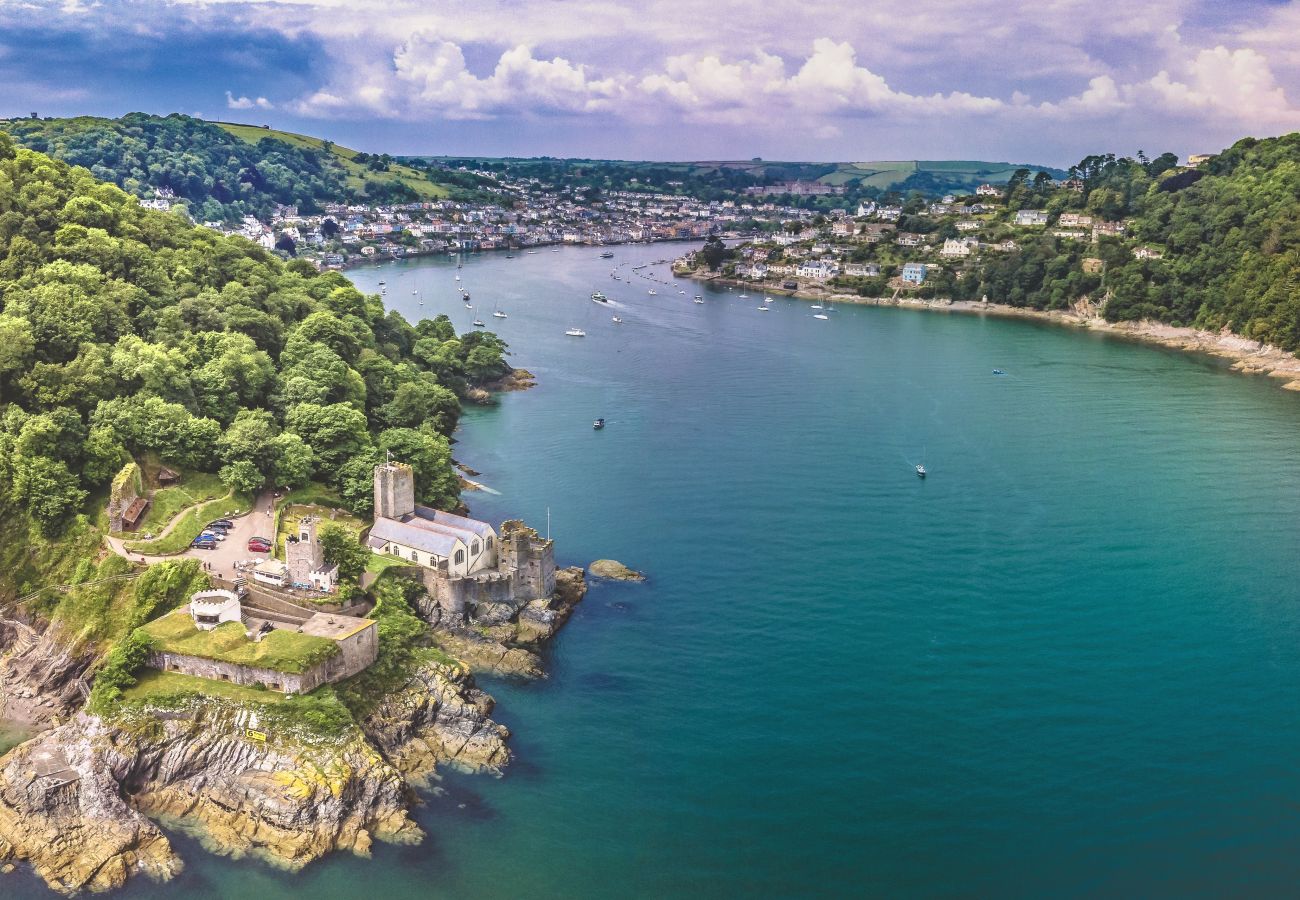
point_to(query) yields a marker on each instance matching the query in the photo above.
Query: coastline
(1246, 356)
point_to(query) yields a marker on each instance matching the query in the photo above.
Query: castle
(462, 560)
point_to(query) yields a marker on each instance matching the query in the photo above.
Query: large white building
(428, 537)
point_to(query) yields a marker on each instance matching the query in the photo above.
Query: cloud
(428, 75)
(233, 102)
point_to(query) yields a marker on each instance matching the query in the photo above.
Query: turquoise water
(1066, 663)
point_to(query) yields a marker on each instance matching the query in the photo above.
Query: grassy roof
(280, 650)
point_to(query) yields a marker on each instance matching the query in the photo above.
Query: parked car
(212, 536)
(202, 543)
(222, 523)
(259, 546)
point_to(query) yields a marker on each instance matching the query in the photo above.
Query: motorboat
(576, 332)
(616, 320)
(599, 297)
(920, 470)
(763, 308)
(653, 292)
(699, 299)
(608, 254)
(820, 316)
(499, 315)
(598, 424)
(998, 372)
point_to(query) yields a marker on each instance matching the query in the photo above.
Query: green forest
(126, 332)
(216, 173)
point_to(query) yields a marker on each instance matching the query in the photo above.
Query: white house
(955, 248)
(862, 270)
(988, 190)
(816, 270)
(1148, 253)
(1032, 217)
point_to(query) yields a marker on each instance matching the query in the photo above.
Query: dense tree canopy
(125, 331)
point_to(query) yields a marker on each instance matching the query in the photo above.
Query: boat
(531, 252)
(681, 292)
(699, 299)
(817, 306)
(598, 424)
(499, 315)
(743, 296)
(382, 283)
(653, 292)
(599, 297)
(998, 372)
(479, 323)
(820, 316)
(555, 249)
(616, 320)
(763, 308)
(576, 332)
(920, 470)
(510, 256)
(767, 299)
(608, 254)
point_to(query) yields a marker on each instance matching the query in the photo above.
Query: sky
(1037, 81)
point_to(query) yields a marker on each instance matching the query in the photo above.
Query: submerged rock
(614, 570)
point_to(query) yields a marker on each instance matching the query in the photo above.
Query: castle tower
(394, 491)
(302, 552)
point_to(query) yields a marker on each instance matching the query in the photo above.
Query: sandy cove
(1246, 356)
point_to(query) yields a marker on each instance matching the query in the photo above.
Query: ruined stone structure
(125, 505)
(462, 561)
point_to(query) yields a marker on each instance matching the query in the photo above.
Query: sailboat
(479, 323)
(576, 332)
(498, 314)
(820, 316)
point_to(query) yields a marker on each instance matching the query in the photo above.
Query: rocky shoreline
(87, 802)
(1243, 354)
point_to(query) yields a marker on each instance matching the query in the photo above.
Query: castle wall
(249, 676)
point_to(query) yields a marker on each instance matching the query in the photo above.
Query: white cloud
(233, 102)
(429, 75)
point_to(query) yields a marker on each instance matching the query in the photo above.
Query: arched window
(415, 556)
(489, 544)
(474, 548)
(460, 557)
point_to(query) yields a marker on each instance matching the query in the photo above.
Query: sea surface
(1065, 664)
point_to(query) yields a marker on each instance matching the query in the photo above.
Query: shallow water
(1064, 663)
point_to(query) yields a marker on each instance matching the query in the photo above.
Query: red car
(259, 545)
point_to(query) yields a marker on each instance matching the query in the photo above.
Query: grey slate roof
(454, 522)
(430, 540)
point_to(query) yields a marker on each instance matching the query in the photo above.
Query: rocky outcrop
(62, 811)
(503, 638)
(614, 570)
(514, 380)
(438, 717)
(42, 673)
(76, 802)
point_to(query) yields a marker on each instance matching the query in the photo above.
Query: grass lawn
(382, 562)
(192, 524)
(315, 494)
(155, 685)
(281, 650)
(197, 487)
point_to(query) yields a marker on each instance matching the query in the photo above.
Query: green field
(357, 174)
(281, 650)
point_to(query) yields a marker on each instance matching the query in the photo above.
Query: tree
(341, 547)
(49, 491)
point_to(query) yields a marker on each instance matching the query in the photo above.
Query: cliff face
(75, 801)
(41, 675)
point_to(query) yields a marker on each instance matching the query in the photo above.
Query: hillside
(356, 172)
(128, 334)
(221, 172)
(720, 179)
